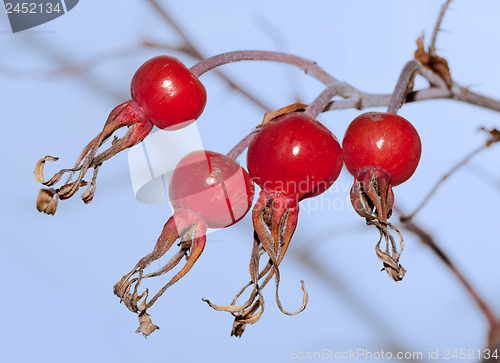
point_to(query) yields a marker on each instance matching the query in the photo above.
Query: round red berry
(294, 155)
(170, 95)
(213, 186)
(382, 139)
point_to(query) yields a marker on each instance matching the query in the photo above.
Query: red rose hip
(294, 155)
(385, 140)
(291, 158)
(381, 150)
(213, 186)
(207, 189)
(164, 93)
(170, 95)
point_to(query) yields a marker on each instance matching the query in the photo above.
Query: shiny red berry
(164, 93)
(385, 140)
(294, 155)
(207, 189)
(291, 158)
(213, 186)
(170, 95)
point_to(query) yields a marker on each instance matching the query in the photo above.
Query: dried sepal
(146, 326)
(128, 114)
(434, 62)
(274, 219)
(371, 193)
(63, 191)
(494, 136)
(38, 172)
(372, 198)
(295, 107)
(249, 316)
(390, 256)
(88, 194)
(47, 200)
(183, 225)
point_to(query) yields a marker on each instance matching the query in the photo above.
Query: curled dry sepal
(433, 62)
(207, 190)
(381, 150)
(494, 136)
(181, 104)
(48, 198)
(293, 157)
(372, 199)
(271, 239)
(146, 326)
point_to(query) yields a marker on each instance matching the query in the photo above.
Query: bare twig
(309, 67)
(72, 69)
(494, 138)
(190, 47)
(437, 27)
(491, 318)
(319, 104)
(441, 181)
(404, 85)
(242, 145)
(338, 286)
(429, 241)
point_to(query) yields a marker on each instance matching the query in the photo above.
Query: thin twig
(403, 86)
(441, 181)
(72, 69)
(429, 241)
(337, 285)
(372, 100)
(191, 49)
(242, 145)
(308, 66)
(319, 104)
(437, 27)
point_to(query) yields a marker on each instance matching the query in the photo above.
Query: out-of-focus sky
(58, 271)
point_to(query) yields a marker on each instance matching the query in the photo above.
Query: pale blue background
(58, 271)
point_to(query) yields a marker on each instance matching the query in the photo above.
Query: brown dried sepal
(45, 202)
(494, 136)
(390, 255)
(371, 193)
(128, 114)
(296, 107)
(48, 198)
(146, 326)
(38, 172)
(434, 62)
(372, 198)
(190, 230)
(274, 220)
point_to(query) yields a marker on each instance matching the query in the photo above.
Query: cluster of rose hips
(292, 157)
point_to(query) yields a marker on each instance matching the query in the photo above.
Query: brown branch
(191, 49)
(494, 138)
(337, 285)
(72, 69)
(367, 100)
(404, 85)
(429, 241)
(437, 27)
(476, 151)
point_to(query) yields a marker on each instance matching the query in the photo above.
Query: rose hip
(164, 93)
